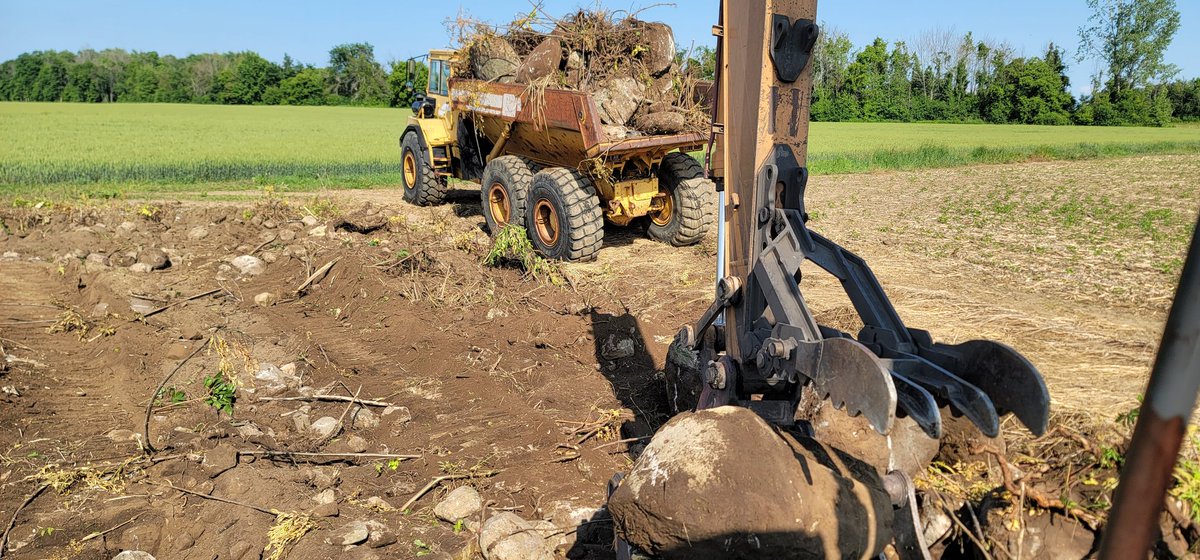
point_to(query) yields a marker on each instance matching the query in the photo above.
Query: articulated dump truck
(544, 162)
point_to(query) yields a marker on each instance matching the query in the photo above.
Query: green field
(173, 147)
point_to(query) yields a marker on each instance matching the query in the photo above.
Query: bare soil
(517, 387)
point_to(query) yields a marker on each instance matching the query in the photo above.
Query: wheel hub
(662, 209)
(498, 204)
(545, 220)
(410, 170)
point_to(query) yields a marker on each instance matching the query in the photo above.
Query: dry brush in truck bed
(627, 65)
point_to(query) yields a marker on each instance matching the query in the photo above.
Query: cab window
(439, 73)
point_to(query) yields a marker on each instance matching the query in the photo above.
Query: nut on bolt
(715, 375)
(687, 337)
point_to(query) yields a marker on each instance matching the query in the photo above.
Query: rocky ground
(340, 376)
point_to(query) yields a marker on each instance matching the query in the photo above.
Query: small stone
(326, 496)
(197, 233)
(134, 555)
(140, 268)
(318, 231)
(269, 224)
(362, 418)
(265, 299)
(79, 254)
(324, 426)
(496, 312)
(381, 535)
(326, 510)
(98, 259)
(156, 258)
(178, 351)
(100, 310)
(310, 221)
(399, 414)
(623, 348)
(270, 257)
(120, 436)
(249, 430)
(123, 259)
(357, 444)
(127, 227)
(460, 503)
(379, 504)
(287, 235)
(249, 264)
(301, 422)
(190, 332)
(219, 459)
(242, 550)
(356, 532)
(10, 255)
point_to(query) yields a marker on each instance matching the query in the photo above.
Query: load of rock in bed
(628, 66)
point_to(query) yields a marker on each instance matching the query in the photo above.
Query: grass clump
(288, 529)
(512, 248)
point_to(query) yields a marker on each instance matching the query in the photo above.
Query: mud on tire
(692, 207)
(422, 186)
(563, 215)
(504, 189)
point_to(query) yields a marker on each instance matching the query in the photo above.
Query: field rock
(287, 235)
(506, 536)
(265, 299)
(309, 221)
(248, 264)
(197, 233)
(399, 414)
(141, 268)
(543, 61)
(661, 123)
(659, 44)
(324, 426)
(133, 555)
(618, 100)
(363, 418)
(614, 349)
(156, 258)
(125, 259)
(494, 60)
(99, 259)
(832, 504)
(460, 503)
(357, 444)
(905, 448)
(381, 534)
(355, 532)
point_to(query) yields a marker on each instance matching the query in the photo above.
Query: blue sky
(307, 29)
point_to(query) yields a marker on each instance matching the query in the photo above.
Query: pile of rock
(628, 66)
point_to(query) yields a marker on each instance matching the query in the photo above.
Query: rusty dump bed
(553, 126)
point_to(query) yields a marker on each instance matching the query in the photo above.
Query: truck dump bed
(553, 126)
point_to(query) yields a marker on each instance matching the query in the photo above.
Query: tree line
(352, 77)
(939, 76)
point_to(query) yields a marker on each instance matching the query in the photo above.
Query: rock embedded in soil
(357, 444)
(399, 414)
(197, 233)
(363, 418)
(265, 299)
(324, 426)
(249, 265)
(310, 221)
(98, 259)
(460, 503)
(835, 504)
(141, 268)
(156, 258)
(380, 534)
(133, 555)
(219, 459)
(287, 235)
(614, 349)
(355, 532)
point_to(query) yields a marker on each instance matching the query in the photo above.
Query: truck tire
(563, 215)
(503, 190)
(422, 186)
(691, 207)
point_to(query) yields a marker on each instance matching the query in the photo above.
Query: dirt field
(521, 389)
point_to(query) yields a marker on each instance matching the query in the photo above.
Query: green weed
(222, 392)
(513, 248)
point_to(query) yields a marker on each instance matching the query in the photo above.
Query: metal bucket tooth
(919, 405)
(853, 378)
(966, 398)
(1011, 382)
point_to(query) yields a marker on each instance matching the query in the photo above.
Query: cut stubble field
(82, 148)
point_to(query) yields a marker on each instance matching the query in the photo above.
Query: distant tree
(402, 95)
(700, 61)
(1028, 91)
(1130, 36)
(355, 75)
(245, 82)
(307, 87)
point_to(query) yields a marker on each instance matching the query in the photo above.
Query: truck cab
(427, 144)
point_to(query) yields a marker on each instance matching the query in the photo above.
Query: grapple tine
(963, 396)
(919, 405)
(1011, 382)
(853, 378)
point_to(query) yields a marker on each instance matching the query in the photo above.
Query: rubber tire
(429, 189)
(580, 222)
(515, 173)
(693, 200)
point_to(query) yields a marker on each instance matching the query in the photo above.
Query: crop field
(172, 147)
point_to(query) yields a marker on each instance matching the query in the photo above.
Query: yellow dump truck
(543, 161)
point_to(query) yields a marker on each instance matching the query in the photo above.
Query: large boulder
(657, 44)
(543, 61)
(618, 99)
(493, 60)
(722, 483)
